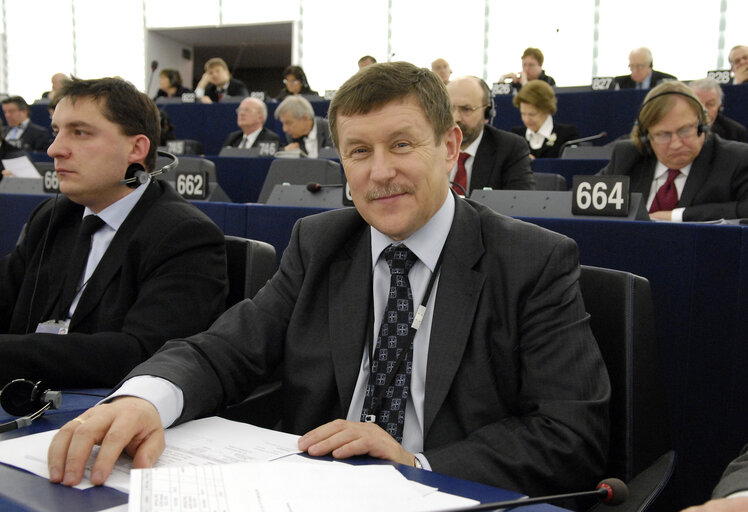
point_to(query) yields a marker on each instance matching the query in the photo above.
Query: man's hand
(292, 146)
(347, 438)
(127, 423)
(721, 505)
(661, 215)
(741, 74)
(6, 172)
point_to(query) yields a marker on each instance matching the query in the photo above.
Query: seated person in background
(8, 151)
(250, 117)
(442, 69)
(366, 60)
(537, 104)
(303, 129)
(119, 270)
(58, 80)
(170, 84)
(711, 96)
(217, 82)
(642, 75)
(738, 59)
(167, 129)
(503, 382)
(295, 82)
(684, 172)
(489, 157)
(532, 69)
(21, 132)
(731, 493)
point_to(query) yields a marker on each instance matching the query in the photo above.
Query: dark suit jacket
(735, 477)
(324, 139)
(516, 390)
(34, 138)
(180, 90)
(729, 129)
(717, 185)
(265, 135)
(626, 82)
(502, 162)
(235, 88)
(564, 133)
(164, 275)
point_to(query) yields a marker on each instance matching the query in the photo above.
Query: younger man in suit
(81, 308)
(250, 117)
(492, 158)
(21, 132)
(217, 82)
(499, 381)
(685, 172)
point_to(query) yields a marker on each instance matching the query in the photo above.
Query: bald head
(441, 68)
(640, 64)
(251, 115)
(469, 98)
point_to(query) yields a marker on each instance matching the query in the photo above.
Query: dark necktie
(91, 224)
(461, 175)
(389, 381)
(302, 144)
(667, 195)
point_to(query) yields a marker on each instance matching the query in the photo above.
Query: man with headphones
(107, 271)
(684, 172)
(491, 157)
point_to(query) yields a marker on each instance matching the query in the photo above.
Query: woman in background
(536, 102)
(170, 84)
(295, 82)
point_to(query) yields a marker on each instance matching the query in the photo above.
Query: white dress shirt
(248, 139)
(536, 139)
(471, 150)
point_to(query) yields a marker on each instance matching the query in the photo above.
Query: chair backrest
(188, 163)
(299, 171)
(622, 320)
(250, 263)
(549, 181)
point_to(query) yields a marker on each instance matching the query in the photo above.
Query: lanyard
(412, 329)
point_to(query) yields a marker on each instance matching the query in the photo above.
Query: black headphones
(136, 174)
(27, 399)
(490, 112)
(703, 117)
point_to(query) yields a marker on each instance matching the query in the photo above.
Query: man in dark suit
(642, 76)
(711, 96)
(156, 268)
(731, 493)
(216, 82)
(498, 377)
(684, 172)
(303, 129)
(21, 132)
(493, 158)
(250, 117)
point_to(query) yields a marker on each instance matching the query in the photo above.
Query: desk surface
(22, 491)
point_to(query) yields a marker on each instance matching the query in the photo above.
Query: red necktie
(461, 176)
(667, 196)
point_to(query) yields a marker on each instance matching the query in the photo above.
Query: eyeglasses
(632, 67)
(684, 133)
(466, 109)
(292, 82)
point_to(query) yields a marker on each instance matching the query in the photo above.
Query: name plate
(602, 83)
(188, 97)
(192, 184)
(502, 89)
(258, 95)
(51, 185)
(601, 195)
(722, 76)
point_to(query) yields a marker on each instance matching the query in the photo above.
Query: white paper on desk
(283, 487)
(21, 167)
(206, 441)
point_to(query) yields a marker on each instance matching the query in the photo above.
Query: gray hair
(708, 84)
(298, 106)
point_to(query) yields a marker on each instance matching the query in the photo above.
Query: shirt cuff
(199, 92)
(676, 215)
(739, 494)
(167, 398)
(424, 461)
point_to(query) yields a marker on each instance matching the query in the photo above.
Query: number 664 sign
(600, 195)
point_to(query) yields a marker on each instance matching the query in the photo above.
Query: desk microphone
(316, 187)
(610, 491)
(154, 67)
(583, 139)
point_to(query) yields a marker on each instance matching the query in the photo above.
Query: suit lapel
(350, 289)
(698, 174)
(114, 257)
(456, 302)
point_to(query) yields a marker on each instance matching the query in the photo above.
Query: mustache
(391, 189)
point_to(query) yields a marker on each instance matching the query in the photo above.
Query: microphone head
(616, 491)
(313, 187)
(154, 65)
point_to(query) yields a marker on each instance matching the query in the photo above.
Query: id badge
(53, 327)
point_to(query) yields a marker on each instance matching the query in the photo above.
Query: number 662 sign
(600, 195)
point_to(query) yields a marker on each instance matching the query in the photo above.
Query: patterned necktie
(91, 224)
(389, 382)
(245, 142)
(667, 195)
(461, 175)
